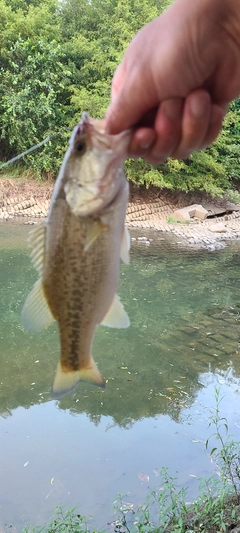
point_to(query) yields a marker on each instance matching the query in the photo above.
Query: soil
(14, 188)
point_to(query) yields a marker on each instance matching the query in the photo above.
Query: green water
(184, 340)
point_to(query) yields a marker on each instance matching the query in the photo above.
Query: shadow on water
(184, 308)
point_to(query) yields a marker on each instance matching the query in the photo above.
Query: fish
(77, 252)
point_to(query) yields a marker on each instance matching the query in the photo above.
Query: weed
(232, 196)
(68, 521)
(164, 506)
(228, 456)
(172, 220)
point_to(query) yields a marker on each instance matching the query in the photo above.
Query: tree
(57, 60)
(33, 101)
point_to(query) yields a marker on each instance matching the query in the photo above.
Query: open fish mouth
(93, 154)
(95, 135)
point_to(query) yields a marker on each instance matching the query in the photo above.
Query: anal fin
(116, 316)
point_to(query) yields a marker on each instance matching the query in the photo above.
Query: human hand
(176, 79)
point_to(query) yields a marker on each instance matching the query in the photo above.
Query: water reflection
(184, 310)
(183, 339)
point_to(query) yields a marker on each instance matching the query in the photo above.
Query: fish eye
(80, 147)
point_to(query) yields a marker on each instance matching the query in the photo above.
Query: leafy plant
(162, 507)
(172, 220)
(33, 97)
(228, 456)
(63, 521)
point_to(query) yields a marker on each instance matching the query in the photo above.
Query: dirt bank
(151, 209)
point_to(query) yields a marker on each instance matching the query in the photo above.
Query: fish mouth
(93, 130)
(95, 171)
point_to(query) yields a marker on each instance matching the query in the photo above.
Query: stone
(218, 227)
(186, 213)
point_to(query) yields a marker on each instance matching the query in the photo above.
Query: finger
(142, 139)
(217, 114)
(195, 123)
(117, 80)
(123, 112)
(168, 129)
(215, 124)
(144, 135)
(131, 98)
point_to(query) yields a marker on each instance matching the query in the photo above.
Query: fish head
(93, 167)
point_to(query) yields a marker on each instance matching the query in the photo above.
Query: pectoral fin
(125, 246)
(66, 381)
(116, 316)
(94, 231)
(36, 314)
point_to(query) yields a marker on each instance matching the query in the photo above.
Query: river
(161, 375)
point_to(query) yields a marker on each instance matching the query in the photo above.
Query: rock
(218, 227)
(195, 210)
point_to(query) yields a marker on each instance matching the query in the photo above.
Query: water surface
(161, 373)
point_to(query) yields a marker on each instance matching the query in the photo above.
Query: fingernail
(145, 145)
(142, 139)
(198, 105)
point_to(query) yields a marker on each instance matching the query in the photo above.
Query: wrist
(231, 18)
(226, 13)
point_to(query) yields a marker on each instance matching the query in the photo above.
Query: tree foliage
(58, 59)
(33, 100)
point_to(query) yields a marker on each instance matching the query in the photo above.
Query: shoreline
(151, 209)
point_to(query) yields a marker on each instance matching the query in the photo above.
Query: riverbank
(152, 209)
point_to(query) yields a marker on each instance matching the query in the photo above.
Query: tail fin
(66, 381)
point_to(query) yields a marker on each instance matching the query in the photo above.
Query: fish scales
(81, 242)
(89, 286)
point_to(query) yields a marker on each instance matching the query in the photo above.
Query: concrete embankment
(154, 211)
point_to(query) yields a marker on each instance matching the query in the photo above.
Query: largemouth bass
(77, 252)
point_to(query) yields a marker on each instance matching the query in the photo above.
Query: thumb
(129, 103)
